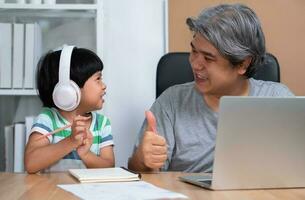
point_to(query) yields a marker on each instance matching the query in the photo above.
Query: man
(227, 46)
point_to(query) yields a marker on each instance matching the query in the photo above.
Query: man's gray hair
(234, 30)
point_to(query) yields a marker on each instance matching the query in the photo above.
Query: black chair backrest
(174, 68)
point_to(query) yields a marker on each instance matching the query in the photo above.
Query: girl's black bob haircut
(84, 63)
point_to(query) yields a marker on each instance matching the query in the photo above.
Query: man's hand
(153, 148)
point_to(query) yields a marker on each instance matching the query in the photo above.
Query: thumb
(151, 121)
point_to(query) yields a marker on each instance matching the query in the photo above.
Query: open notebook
(104, 175)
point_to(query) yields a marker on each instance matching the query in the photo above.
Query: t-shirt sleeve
(269, 89)
(282, 91)
(42, 124)
(105, 133)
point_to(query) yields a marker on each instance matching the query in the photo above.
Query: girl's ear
(242, 68)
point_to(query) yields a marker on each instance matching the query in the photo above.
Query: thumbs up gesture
(153, 148)
(151, 121)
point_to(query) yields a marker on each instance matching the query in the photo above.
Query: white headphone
(66, 93)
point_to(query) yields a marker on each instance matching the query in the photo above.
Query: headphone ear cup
(77, 92)
(66, 96)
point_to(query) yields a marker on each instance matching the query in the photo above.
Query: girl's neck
(70, 115)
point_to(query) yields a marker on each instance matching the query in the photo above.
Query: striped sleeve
(43, 124)
(105, 132)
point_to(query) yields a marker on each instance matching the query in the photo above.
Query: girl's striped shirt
(50, 119)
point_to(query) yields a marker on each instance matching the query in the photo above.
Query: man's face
(213, 74)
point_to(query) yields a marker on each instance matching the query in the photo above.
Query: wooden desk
(23, 186)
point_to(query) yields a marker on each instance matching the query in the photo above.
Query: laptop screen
(260, 143)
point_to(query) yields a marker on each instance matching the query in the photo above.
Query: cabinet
(77, 24)
(73, 23)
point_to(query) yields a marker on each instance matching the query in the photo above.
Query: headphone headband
(64, 64)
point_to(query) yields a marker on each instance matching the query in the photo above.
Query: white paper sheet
(120, 190)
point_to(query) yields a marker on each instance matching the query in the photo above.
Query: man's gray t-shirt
(189, 125)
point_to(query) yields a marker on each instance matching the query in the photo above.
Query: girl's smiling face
(92, 93)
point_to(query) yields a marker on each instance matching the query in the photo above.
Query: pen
(55, 131)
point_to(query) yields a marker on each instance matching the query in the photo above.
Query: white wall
(134, 41)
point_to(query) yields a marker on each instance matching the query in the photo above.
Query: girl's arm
(40, 154)
(106, 158)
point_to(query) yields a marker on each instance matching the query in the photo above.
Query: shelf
(44, 10)
(15, 92)
(48, 7)
(52, 19)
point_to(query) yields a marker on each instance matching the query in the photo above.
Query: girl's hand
(83, 149)
(79, 130)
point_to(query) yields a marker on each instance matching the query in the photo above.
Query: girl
(83, 137)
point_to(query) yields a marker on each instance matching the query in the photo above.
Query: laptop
(260, 143)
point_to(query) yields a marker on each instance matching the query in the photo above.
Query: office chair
(174, 68)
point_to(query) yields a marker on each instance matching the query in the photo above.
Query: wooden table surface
(44, 186)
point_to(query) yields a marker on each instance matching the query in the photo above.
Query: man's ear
(242, 68)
